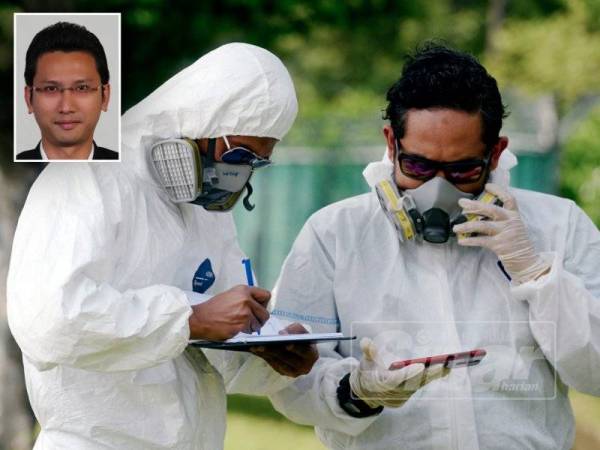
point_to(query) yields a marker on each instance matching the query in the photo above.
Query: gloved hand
(504, 234)
(377, 386)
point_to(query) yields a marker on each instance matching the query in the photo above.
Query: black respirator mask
(427, 212)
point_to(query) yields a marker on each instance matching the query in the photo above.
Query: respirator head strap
(249, 206)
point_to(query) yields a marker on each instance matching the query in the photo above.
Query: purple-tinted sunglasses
(458, 172)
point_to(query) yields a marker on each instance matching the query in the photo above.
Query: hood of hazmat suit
(348, 272)
(104, 268)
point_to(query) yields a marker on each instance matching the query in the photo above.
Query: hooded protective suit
(104, 268)
(347, 271)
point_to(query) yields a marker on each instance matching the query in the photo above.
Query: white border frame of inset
(19, 83)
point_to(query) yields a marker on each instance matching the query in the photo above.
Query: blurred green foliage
(580, 166)
(344, 55)
(559, 54)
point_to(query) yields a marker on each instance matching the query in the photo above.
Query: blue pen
(248, 266)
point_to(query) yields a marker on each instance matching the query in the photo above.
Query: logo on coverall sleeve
(204, 277)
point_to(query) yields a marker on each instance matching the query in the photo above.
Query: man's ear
(105, 96)
(29, 98)
(497, 151)
(390, 140)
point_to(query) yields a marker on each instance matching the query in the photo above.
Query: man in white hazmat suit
(521, 283)
(106, 263)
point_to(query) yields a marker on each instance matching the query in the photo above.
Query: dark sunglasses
(241, 155)
(459, 172)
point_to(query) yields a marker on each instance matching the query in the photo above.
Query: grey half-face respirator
(428, 212)
(189, 176)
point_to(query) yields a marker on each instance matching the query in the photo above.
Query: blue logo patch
(204, 277)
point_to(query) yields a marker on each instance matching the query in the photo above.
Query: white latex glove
(377, 386)
(504, 233)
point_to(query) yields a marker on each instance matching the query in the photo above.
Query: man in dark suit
(98, 153)
(67, 88)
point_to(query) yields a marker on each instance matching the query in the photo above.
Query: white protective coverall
(347, 271)
(103, 265)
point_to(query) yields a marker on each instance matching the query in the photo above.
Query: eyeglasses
(241, 155)
(459, 172)
(80, 90)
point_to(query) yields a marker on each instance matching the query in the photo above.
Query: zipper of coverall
(440, 253)
(195, 356)
(449, 314)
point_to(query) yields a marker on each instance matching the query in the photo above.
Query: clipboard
(247, 341)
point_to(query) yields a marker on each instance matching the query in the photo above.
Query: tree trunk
(16, 418)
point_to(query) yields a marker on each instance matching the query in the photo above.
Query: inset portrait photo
(67, 87)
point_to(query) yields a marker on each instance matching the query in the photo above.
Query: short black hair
(436, 76)
(65, 37)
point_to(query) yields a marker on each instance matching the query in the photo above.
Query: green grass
(253, 424)
(587, 408)
(587, 418)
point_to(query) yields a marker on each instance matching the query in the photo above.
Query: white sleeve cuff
(531, 289)
(194, 298)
